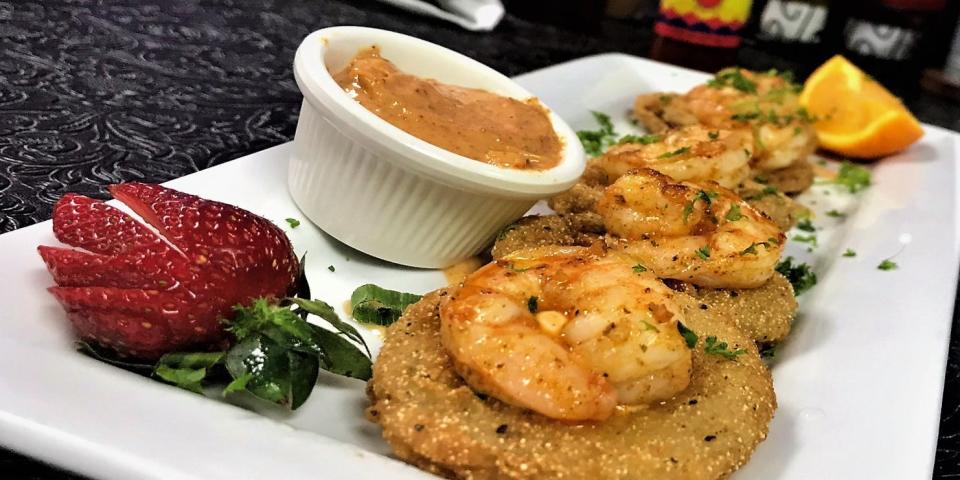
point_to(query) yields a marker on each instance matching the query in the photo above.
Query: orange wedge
(857, 116)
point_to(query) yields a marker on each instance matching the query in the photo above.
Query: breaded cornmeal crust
(796, 178)
(433, 420)
(764, 314)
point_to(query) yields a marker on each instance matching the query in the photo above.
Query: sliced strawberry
(125, 333)
(147, 269)
(93, 225)
(233, 239)
(144, 295)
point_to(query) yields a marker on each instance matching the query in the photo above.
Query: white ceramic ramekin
(387, 193)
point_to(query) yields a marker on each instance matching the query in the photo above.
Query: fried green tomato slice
(793, 179)
(433, 420)
(542, 230)
(778, 206)
(764, 314)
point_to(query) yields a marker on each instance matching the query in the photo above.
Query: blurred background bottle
(700, 34)
(896, 39)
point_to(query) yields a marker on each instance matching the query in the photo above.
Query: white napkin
(470, 14)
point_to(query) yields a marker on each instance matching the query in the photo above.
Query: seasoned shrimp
(567, 332)
(765, 104)
(693, 153)
(696, 232)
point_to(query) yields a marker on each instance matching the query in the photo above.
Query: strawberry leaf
(278, 354)
(272, 371)
(326, 312)
(187, 370)
(302, 286)
(340, 356)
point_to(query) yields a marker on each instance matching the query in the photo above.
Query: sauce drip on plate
(474, 123)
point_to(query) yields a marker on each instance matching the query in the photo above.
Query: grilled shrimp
(567, 332)
(764, 104)
(696, 232)
(693, 153)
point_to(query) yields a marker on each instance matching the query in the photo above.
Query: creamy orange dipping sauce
(470, 122)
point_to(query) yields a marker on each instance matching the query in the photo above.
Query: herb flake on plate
(806, 225)
(641, 139)
(379, 306)
(713, 347)
(688, 335)
(887, 265)
(596, 141)
(854, 177)
(800, 275)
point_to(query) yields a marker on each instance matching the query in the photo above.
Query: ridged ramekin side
(380, 209)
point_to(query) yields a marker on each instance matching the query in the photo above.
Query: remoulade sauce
(471, 122)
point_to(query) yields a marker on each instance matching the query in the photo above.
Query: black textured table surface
(93, 93)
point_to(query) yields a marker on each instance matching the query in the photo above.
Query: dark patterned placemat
(93, 93)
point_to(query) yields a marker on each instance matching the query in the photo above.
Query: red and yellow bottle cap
(713, 23)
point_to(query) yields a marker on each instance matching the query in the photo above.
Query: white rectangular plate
(859, 382)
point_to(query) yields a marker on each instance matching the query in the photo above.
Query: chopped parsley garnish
(836, 214)
(752, 249)
(688, 335)
(887, 265)
(720, 349)
(532, 304)
(768, 190)
(811, 239)
(732, 77)
(641, 139)
(746, 116)
(666, 99)
(679, 151)
(768, 352)
(854, 177)
(849, 253)
(774, 118)
(714, 135)
(294, 223)
(761, 179)
(595, 141)
(704, 252)
(805, 116)
(707, 197)
(806, 225)
(332, 268)
(734, 213)
(638, 268)
(801, 276)
(786, 75)
(797, 131)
